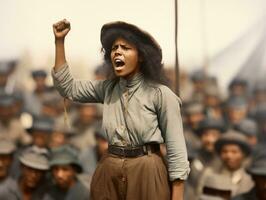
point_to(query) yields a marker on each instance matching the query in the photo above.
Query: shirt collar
(131, 82)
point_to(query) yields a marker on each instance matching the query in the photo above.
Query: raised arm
(60, 29)
(75, 90)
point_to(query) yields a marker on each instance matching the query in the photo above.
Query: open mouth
(119, 63)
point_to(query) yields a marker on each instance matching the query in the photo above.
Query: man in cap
(212, 102)
(31, 184)
(238, 87)
(194, 114)
(258, 172)
(5, 72)
(39, 76)
(199, 79)
(41, 130)
(250, 129)
(233, 149)
(260, 116)
(237, 110)
(85, 124)
(10, 126)
(209, 131)
(65, 167)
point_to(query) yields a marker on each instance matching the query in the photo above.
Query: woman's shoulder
(162, 91)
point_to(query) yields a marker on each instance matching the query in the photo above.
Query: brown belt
(135, 151)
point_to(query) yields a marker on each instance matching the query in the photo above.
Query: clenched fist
(61, 29)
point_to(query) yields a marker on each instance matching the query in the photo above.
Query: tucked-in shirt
(135, 112)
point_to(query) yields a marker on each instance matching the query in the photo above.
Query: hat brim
(243, 145)
(77, 165)
(116, 26)
(33, 164)
(200, 130)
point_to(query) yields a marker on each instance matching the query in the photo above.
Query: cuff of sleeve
(178, 174)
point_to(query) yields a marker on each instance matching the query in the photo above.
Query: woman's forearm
(60, 57)
(60, 29)
(178, 190)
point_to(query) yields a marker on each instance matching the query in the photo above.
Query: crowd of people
(55, 156)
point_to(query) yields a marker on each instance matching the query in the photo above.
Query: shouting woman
(139, 113)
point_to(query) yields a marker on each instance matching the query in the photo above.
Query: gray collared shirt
(135, 112)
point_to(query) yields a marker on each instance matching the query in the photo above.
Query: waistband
(135, 151)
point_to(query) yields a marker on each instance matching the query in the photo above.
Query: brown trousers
(141, 178)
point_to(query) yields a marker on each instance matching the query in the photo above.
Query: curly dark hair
(151, 64)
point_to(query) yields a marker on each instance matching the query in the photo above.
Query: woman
(139, 113)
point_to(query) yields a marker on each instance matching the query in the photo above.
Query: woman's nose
(118, 50)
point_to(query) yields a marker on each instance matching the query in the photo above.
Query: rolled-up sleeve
(78, 90)
(170, 123)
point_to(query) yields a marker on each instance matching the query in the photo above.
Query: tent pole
(176, 50)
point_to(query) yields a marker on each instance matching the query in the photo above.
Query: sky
(205, 27)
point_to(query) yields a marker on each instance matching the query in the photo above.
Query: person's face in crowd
(238, 90)
(40, 82)
(40, 139)
(199, 86)
(260, 186)
(194, 119)
(57, 139)
(5, 163)
(87, 114)
(237, 114)
(64, 175)
(211, 101)
(208, 139)
(101, 145)
(125, 58)
(31, 178)
(232, 156)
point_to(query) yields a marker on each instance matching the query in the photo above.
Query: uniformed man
(194, 114)
(237, 110)
(250, 129)
(31, 184)
(258, 172)
(10, 126)
(199, 80)
(85, 125)
(213, 102)
(65, 167)
(5, 71)
(41, 130)
(238, 87)
(233, 149)
(209, 131)
(260, 116)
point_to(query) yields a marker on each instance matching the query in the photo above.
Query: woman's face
(124, 58)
